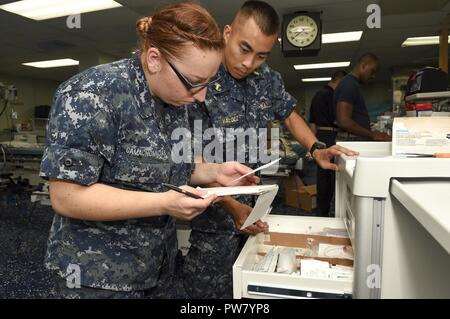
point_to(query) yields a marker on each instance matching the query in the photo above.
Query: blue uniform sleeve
(346, 92)
(80, 137)
(283, 103)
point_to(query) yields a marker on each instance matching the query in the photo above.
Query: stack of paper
(416, 136)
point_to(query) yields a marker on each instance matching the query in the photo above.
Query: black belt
(327, 128)
(346, 134)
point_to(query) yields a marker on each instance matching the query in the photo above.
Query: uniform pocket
(263, 112)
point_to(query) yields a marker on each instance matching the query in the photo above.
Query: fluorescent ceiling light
(52, 63)
(48, 9)
(321, 65)
(316, 79)
(341, 37)
(433, 40)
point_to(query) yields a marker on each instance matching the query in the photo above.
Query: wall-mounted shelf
(428, 96)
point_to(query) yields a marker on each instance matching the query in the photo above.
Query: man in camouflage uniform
(215, 242)
(249, 95)
(105, 127)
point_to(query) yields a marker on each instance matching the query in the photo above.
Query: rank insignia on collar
(217, 87)
(264, 106)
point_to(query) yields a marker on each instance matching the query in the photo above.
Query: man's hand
(240, 212)
(229, 171)
(222, 174)
(325, 156)
(379, 136)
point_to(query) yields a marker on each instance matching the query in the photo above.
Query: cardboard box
(292, 182)
(298, 195)
(304, 198)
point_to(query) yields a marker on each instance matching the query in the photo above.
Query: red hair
(173, 27)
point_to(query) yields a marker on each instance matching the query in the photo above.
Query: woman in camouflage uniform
(109, 149)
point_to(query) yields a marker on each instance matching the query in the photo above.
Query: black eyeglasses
(190, 86)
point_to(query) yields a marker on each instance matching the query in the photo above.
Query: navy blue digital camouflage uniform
(106, 127)
(215, 242)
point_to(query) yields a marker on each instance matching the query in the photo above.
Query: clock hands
(299, 30)
(297, 34)
(302, 29)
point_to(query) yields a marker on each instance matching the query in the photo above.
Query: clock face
(301, 31)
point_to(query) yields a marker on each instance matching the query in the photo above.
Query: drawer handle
(293, 293)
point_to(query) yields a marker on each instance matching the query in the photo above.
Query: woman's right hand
(181, 206)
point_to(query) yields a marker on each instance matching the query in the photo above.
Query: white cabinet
(397, 215)
(383, 235)
(416, 259)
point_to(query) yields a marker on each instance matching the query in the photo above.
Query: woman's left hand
(228, 172)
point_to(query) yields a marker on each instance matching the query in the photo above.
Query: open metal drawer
(248, 283)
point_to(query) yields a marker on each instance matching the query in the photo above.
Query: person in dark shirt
(321, 114)
(352, 116)
(321, 117)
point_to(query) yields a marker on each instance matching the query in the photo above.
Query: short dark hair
(338, 75)
(264, 14)
(367, 58)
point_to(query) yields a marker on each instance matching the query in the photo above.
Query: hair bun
(143, 24)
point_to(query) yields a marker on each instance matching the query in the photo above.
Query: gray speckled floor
(24, 231)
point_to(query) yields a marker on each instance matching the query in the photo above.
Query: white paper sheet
(255, 170)
(262, 206)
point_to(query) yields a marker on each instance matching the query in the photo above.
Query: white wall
(31, 92)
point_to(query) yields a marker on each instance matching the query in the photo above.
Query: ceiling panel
(112, 32)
